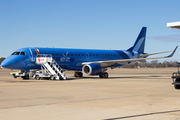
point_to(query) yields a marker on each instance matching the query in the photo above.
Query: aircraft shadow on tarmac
(141, 115)
(140, 77)
(88, 77)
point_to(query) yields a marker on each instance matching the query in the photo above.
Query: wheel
(25, 77)
(177, 86)
(37, 77)
(52, 78)
(100, 76)
(105, 75)
(14, 76)
(60, 78)
(78, 74)
(177, 81)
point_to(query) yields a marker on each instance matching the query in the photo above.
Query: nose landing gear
(78, 74)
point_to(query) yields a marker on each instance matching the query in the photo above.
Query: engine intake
(92, 69)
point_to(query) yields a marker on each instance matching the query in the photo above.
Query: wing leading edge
(125, 61)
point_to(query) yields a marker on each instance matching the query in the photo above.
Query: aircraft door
(34, 53)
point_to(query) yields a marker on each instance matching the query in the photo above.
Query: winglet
(172, 53)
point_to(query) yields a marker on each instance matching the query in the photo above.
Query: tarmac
(128, 94)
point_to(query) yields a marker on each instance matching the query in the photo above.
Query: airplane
(82, 61)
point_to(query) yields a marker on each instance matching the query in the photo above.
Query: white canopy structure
(174, 25)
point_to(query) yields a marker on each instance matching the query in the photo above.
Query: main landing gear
(78, 74)
(103, 75)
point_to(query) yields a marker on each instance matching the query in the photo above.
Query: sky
(88, 24)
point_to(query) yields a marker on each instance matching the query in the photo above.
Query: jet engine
(92, 69)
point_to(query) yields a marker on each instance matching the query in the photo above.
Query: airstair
(49, 68)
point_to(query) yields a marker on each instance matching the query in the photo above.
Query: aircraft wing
(109, 63)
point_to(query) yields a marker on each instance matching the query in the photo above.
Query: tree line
(1, 59)
(152, 64)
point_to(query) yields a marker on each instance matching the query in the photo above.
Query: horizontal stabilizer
(146, 55)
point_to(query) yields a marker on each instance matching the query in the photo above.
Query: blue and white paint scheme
(86, 61)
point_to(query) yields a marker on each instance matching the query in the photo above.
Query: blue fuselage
(69, 59)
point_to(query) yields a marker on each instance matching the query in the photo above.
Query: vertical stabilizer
(140, 42)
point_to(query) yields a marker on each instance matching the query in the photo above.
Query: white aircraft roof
(174, 25)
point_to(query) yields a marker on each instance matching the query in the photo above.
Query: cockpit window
(16, 53)
(23, 53)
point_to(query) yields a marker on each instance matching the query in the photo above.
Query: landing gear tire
(103, 75)
(100, 76)
(78, 74)
(26, 77)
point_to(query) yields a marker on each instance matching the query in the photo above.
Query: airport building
(174, 25)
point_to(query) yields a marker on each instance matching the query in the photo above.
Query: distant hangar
(174, 25)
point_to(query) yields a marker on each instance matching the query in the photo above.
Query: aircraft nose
(7, 63)
(4, 63)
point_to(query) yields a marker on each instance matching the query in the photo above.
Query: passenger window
(23, 53)
(82, 54)
(16, 53)
(72, 54)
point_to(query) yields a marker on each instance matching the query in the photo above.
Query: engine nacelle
(92, 69)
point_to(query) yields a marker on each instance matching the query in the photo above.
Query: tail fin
(140, 42)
